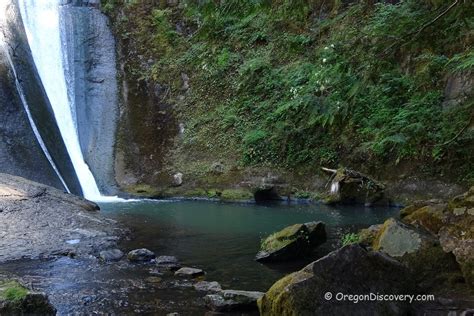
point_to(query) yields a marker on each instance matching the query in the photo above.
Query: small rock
(206, 286)
(141, 255)
(231, 300)
(190, 272)
(178, 179)
(111, 255)
(168, 262)
(217, 167)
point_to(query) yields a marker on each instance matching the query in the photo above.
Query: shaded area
(20, 152)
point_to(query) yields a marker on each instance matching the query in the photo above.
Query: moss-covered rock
(419, 250)
(292, 242)
(349, 187)
(430, 217)
(368, 235)
(15, 299)
(453, 224)
(351, 269)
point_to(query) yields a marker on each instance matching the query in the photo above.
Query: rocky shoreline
(41, 222)
(428, 251)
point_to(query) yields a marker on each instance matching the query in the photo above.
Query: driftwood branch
(329, 170)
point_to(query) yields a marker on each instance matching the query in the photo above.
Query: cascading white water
(41, 19)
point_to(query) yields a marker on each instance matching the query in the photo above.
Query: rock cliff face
(91, 71)
(20, 151)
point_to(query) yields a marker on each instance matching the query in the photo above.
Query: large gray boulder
(292, 242)
(317, 289)
(419, 250)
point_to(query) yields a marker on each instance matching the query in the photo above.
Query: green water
(223, 238)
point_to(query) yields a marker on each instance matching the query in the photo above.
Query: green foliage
(12, 291)
(349, 239)
(298, 84)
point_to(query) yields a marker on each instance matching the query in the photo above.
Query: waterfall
(41, 19)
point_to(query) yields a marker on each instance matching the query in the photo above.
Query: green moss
(283, 237)
(142, 190)
(12, 291)
(236, 195)
(430, 217)
(355, 87)
(277, 300)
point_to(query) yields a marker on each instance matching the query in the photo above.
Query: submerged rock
(189, 272)
(16, 299)
(206, 286)
(111, 255)
(141, 255)
(168, 263)
(292, 242)
(317, 288)
(232, 300)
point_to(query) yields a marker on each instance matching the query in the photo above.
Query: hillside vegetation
(295, 85)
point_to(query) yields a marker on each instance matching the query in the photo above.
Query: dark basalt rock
(349, 270)
(20, 152)
(292, 242)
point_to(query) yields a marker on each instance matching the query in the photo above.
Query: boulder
(457, 235)
(352, 187)
(430, 217)
(452, 223)
(141, 255)
(189, 272)
(178, 179)
(111, 255)
(292, 242)
(206, 286)
(317, 288)
(15, 299)
(368, 235)
(232, 300)
(421, 251)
